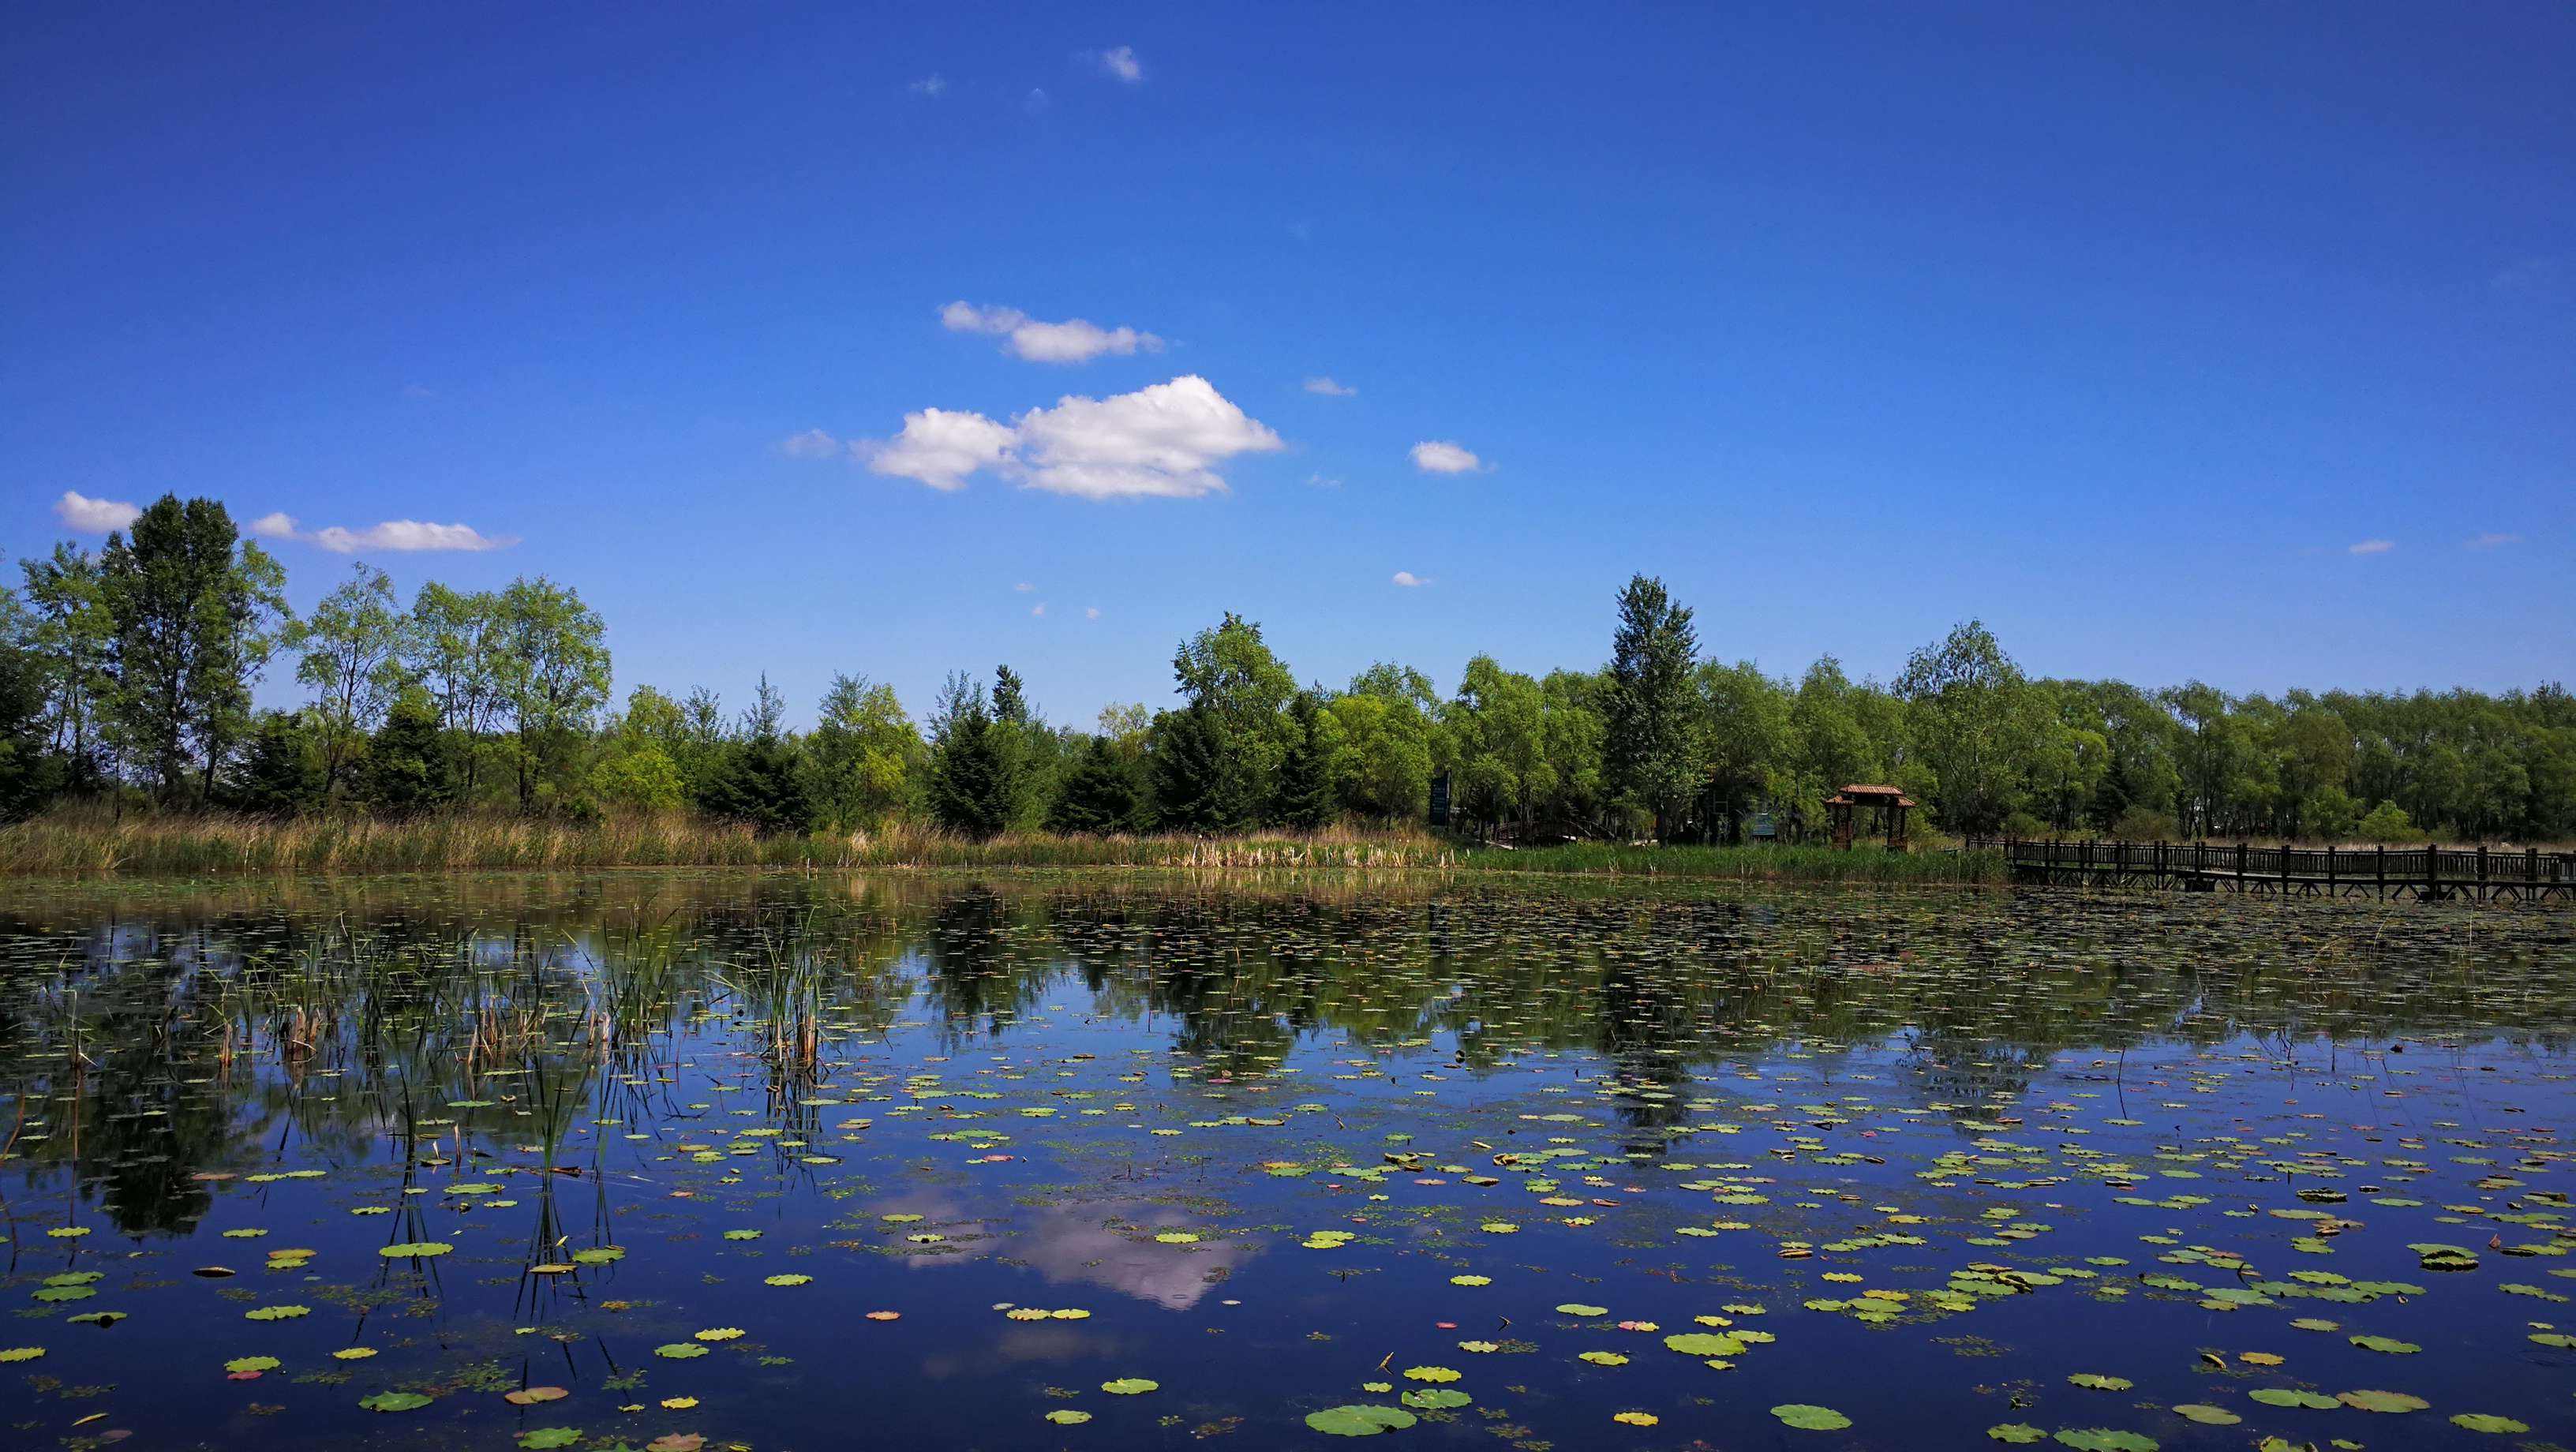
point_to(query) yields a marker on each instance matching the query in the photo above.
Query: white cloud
(1075, 340)
(1322, 481)
(1091, 612)
(93, 516)
(1325, 385)
(409, 536)
(1408, 579)
(811, 444)
(2492, 540)
(394, 536)
(1164, 441)
(939, 448)
(1038, 609)
(1435, 456)
(1024, 587)
(1120, 61)
(933, 85)
(1035, 102)
(2374, 547)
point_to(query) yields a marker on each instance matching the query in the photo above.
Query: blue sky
(2220, 341)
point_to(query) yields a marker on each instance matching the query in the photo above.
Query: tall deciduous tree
(353, 646)
(196, 611)
(455, 640)
(864, 758)
(552, 670)
(1971, 714)
(1651, 712)
(73, 641)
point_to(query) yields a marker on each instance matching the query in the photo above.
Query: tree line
(126, 674)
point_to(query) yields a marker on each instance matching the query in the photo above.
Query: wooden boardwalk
(2427, 874)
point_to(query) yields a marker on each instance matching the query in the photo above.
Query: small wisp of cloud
(933, 85)
(1119, 63)
(1409, 580)
(1090, 612)
(811, 444)
(1323, 383)
(2372, 547)
(2492, 540)
(1439, 456)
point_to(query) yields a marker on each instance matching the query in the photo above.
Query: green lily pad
(251, 1363)
(1809, 1418)
(680, 1350)
(544, 1437)
(2488, 1422)
(415, 1249)
(1359, 1421)
(1435, 1398)
(1068, 1417)
(2206, 1415)
(394, 1401)
(1129, 1386)
(2019, 1434)
(2104, 1439)
(2382, 1401)
(2388, 1344)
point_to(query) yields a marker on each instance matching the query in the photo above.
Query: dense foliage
(130, 671)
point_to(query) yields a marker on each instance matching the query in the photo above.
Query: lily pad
(1359, 1420)
(1810, 1418)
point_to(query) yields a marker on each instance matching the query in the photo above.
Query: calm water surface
(674, 1161)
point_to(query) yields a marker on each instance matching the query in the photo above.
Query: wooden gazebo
(1885, 805)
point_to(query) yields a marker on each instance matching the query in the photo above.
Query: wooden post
(2330, 869)
(2432, 869)
(2379, 858)
(2284, 850)
(2531, 873)
(2241, 855)
(2482, 872)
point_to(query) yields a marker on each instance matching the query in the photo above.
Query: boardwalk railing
(2428, 873)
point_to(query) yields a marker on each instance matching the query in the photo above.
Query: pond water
(788, 1162)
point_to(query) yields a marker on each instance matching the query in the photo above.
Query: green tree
(407, 765)
(1302, 796)
(195, 611)
(455, 650)
(1650, 710)
(1230, 673)
(761, 780)
(280, 775)
(1200, 784)
(864, 758)
(552, 672)
(2387, 824)
(1497, 728)
(1973, 719)
(1747, 741)
(1099, 795)
(73, 640)
(973, 790)
(353, 646)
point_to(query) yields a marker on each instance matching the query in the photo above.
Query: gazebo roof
(1858, 795)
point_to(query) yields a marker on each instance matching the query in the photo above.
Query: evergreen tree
(1303, 796)
(1650, 709)
(279, 776)
(1200, 785)
(407, 764)
(1099, 794)
(759, 779)
(972, 788)
(2111, 796)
